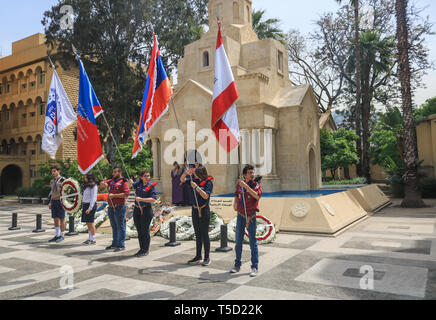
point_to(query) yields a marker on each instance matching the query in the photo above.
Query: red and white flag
(224, 115)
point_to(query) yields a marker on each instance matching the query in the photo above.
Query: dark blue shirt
(208, 187)
(140, 191)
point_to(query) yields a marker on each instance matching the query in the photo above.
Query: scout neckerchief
(202, 184)
(154, 184)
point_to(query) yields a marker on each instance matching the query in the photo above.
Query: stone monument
(268, 102)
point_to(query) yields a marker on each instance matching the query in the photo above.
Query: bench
(31, 199)
(44, 200)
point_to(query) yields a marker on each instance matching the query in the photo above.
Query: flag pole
(76, 53)
(51, 62)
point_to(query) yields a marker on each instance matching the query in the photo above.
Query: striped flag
(157, 95)
(224, 115)
(89, 151)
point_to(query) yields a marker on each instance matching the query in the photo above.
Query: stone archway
(11, 179)
(312, 170)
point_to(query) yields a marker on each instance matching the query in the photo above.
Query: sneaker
(194, 261)
(137, 254)
(206, 262)
(86, 242)
(92, 242)
(142, 254)
(235, 269)
(118, 249)
(110, 247)
(60, 239)
(253, 272)
(53, 239)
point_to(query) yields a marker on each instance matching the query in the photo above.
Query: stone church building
(267, 100)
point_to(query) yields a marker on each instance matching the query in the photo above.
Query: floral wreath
(265, 230)
(184, 228)
(133, 233)
(82, 227)
(70, 189)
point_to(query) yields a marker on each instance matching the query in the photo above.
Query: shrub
(25, 192)
(428, 188)
(358, 180)
(41, 188)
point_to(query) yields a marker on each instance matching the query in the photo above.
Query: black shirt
(141, 192)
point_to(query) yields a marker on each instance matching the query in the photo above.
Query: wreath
(265, 230)
(71, 196)
(184, 228)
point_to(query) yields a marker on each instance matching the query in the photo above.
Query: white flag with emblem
(59, 115)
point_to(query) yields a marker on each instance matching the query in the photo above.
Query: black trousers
(142, 224)
(201, 228)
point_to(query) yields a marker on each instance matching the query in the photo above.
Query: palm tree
(355, 4)
(267, 29)
(377, 58)
(412, 195)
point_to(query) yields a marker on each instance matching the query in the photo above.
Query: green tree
(384, 150)
(115, 40)
(338, 149)
(428, 108)
(378, 61)
(357, 58)
(144, 160)
(267, 29)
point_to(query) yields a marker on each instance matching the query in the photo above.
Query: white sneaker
(253, 272)
(234, 270)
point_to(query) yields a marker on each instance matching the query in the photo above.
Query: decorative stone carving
(328, 208)
(300, 209)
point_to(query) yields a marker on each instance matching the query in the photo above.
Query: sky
(22, 18)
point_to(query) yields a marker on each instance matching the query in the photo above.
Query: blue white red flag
(89, 151)
(157, 95)
(59, 115)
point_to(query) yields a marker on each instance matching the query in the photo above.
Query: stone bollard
(71, 231)
(173, 242)
(224, 247)
(39, 224)
(14, 222)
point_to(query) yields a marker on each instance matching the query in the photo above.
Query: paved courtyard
(396, 247)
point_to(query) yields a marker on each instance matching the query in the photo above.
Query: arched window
(206, 59)
(235, 12)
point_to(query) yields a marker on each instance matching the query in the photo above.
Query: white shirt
(90, 196)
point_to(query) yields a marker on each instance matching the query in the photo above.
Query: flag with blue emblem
(59, 115)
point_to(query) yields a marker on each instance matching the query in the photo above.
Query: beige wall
(426, 136)
(28, 73)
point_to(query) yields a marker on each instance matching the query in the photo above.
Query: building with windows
(25, 78)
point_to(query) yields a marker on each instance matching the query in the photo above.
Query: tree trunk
(366, 106)
(358, 88)
(412, 194)
(347, 173)
(333, 173)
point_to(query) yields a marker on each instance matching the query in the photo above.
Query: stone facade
(426, 136)
(25, 78)
(267, 100)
